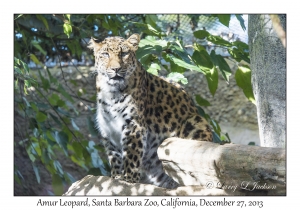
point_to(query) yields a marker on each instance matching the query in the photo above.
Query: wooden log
(230, 167)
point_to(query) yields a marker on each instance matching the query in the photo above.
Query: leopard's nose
(116, 69)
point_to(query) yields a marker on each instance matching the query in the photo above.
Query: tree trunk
(268, 65)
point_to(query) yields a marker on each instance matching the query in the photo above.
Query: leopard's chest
(113, 115)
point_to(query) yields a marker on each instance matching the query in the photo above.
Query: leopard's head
(115, 57)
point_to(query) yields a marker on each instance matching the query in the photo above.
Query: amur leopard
(136, 111)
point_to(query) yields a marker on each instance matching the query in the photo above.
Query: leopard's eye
(123, 54)
(105, 55)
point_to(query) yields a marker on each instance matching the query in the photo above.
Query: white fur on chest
(110, 118)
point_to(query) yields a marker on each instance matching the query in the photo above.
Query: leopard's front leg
(133, 141)
(115, 159)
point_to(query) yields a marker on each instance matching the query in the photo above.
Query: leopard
(136, 111)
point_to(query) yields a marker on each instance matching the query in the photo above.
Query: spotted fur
(136, 111)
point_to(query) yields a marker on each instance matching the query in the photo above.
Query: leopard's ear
(93, 45)
(134, 41)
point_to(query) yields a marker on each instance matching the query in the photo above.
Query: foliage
(48, 104)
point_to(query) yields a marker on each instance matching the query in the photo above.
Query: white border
(8, 201)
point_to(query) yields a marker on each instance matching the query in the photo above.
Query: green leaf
(25, 66)
(62, 111)
(53, 99)
(216, 138)
(57, 184)
(67, 29)
(153, 69)
(177, 77)
(64, 93)
(17, 61)
(148, 29)
(18, 70)
(180, 51)
(183, 64)
(152, 20)
(78, 49)
(216, 127)
(92, 127)
(74, 125)
(176, 68)
(34, 106)
(68, 17)
(45, 84)
(45, 157)
(79, 162)
(37, 148)
(49, 134)
(218, 41)
(30, 155)
(201, 101)
(202, 59)
(37, 46)
(96, 160)
(58, 167)
(60, 103)
(41, 117)
(148, 59)
(148, 49)
(18, 16)
(241, 45)
(198, 47)
(243, 80)
(77, 149)
(200, 111)
(71, 46)
(44, 20)
(33, 123)
(25, 100)
(18, 175)
(240, 18)
(70, 179)
(212, 80)
(99, 148)
(228, 138)
(201, 34)
(62, 139)
(222, 65)
(50, 168)
(27, 84)
(35, 60)
(55, 119)
(238, 55)
(224, 19)
(36, 172)
(152, 41)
